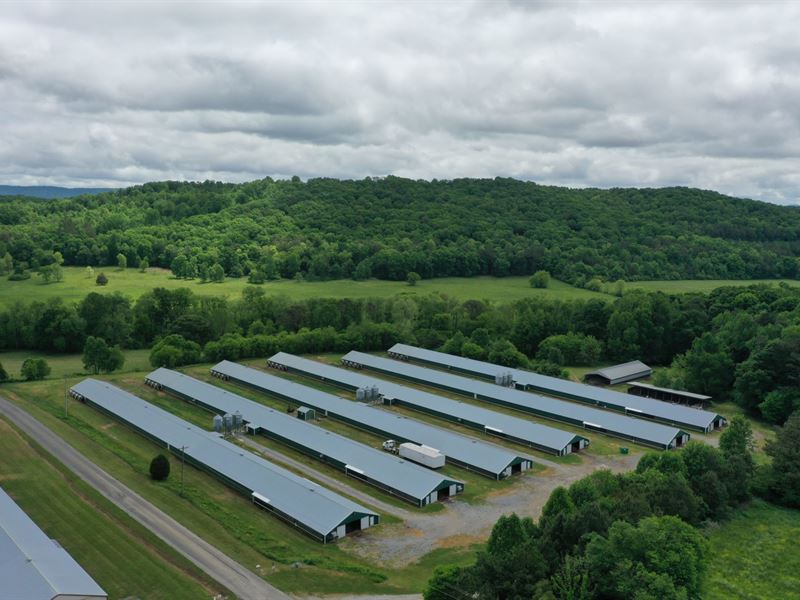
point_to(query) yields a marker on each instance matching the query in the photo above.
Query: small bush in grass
(159, 468)
(540, 279)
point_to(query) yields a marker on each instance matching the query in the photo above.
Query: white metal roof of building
(312, 505)
(589, 417)
(401, 475)
(34, 567)
(475, 453)
(623, 372)
(682, 416)
(550, 438)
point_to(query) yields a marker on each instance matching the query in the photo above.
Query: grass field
(131, 282)
(67, 365)
(754, 555)
(98, 535)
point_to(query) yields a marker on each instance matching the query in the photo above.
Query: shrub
(173, 351)
(540, 279)
(159, 468)
(34, 369)
(101, 279)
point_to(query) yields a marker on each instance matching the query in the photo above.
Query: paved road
(326, 480)
(245, 584)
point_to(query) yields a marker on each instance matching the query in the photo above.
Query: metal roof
(319, 509)
(670, 391)
(624, 372)
(550, 438)
(683, 416)
(588, 417)
(391, 471)
(34, 567)
(480, 455)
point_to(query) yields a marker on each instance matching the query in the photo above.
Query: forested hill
(387, 227)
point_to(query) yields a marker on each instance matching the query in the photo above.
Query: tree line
(748, 352)
(389, 227)
(634, 535)
(736, 343)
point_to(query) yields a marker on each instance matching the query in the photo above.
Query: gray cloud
(581, 94)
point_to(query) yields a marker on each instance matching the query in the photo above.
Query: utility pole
(183, 461)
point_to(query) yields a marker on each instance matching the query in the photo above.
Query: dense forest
(388, 227)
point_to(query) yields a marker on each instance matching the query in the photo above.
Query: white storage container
(424, 455)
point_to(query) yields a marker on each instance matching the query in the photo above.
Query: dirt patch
(462, 524)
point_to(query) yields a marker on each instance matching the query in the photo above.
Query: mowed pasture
(131, 282)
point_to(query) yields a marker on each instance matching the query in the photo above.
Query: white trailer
(424, 455)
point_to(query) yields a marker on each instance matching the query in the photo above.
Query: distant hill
(48, 191)
(386, 228)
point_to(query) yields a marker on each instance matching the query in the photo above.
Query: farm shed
(398, 477)
(471, 454)
(637, 388)
(588, 418)
(307, 506)
(646, 408)
(34, 567)
(628, 371)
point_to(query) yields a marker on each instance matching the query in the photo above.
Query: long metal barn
(544, 438)
(610, 422)
(474, 455)
(311, 508)
(673, 414)
(35, 567)
(392, 474)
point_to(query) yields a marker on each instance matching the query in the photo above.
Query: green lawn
(754, 555)
(97, 534)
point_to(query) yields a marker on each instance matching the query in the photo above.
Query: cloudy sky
(601, 94)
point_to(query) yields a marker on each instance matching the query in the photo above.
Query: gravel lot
(461, 523)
